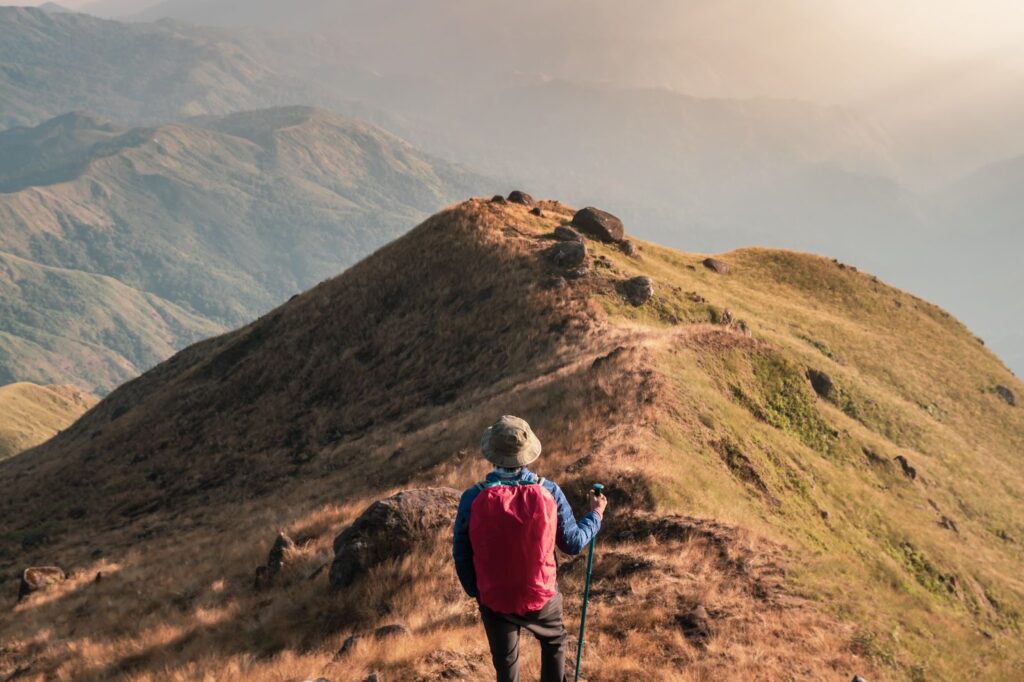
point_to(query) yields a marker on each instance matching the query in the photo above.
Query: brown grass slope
(31, 414)
(823, 559)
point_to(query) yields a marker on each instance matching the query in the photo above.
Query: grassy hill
(203, 225)
(734, 483)
(31, 414)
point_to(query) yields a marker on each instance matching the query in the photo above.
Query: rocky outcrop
(716, 265)
(599, 224)
(567, 234)
(520, 197)
(820, 382)
(567, 255)
(265, 575)
(39, 578)
(638, 290)
(498, 199)
(391, 528)
(908, 471)
(1007, 395)
(383, 632)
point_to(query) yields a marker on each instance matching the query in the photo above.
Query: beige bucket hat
(510, 443)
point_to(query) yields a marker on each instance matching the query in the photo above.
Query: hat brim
(524, 456)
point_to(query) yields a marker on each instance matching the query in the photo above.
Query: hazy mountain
(51, 63)
(200, 225)
(58, 324)
(383, 379)
(31, 414)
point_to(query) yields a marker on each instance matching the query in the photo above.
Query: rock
(519, 197)
(629, 248)
(858, 678)
(39, 578)
(537, 212)
(567, 254)
(716, 265)
(727, 317)
(820, 382)
(265, 575)
(1007, 395)
(695, 297)
(909, 471)
(391, 528)
(638, 290)
(599, 224)
(577, 273)
(383, 632)
(567, 234)
(498, 199)
(949, 524)
(696, 625)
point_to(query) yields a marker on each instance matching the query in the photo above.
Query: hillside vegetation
(31, 414)
(736, 485)
(125, 245)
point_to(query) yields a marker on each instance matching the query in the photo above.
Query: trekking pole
(586, 593)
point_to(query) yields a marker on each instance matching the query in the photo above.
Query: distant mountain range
(121, 245)
(692, 172)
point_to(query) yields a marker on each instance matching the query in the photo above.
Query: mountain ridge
(696, 402)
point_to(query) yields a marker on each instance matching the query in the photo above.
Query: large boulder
(820, 382)
(567, 234)
(638, 290)
(391, 528)
(520, 197)
(716, 265)
(567, 255)
(39, 578)
(599, 224)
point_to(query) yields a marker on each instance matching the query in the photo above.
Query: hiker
(506, 531)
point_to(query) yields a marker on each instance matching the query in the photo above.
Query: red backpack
(512, 527)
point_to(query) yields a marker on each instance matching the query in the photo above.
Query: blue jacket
(571, 537)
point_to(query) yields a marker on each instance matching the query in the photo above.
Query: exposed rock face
(599, 224)
(567, 234)
(39, 578)
(716, 265)
(1007, 395)
(567, 254)
(638, 290)
(383, 632)
(391, 528)
(520, 197)
(265, 575)
(821, 382)
(909, 471)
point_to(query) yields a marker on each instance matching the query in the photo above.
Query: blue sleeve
(462, 551)
(572, 536)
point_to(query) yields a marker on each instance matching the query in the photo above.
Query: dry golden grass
(382, 379)
(32, 414)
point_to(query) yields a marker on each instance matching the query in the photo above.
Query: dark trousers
(546, 625)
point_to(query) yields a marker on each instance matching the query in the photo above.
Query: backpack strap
(484, 485)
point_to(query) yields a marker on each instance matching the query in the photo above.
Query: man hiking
(506, 531)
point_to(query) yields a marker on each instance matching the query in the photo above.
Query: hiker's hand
(598, 502)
